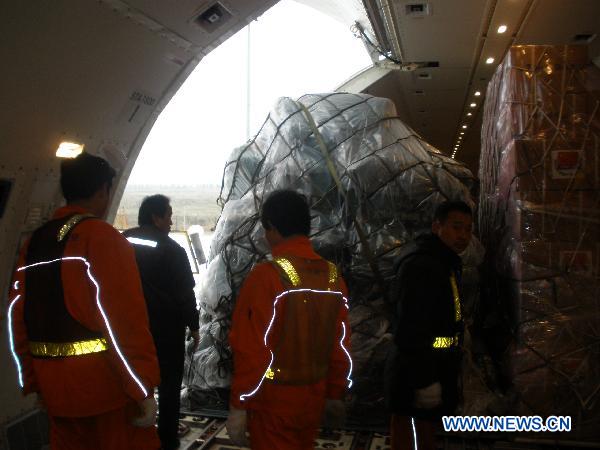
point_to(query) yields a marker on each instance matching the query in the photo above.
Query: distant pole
(248, 85)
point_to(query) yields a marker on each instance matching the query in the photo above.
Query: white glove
(236, 427)
(147, 416)
(334, 413)
(429, 397)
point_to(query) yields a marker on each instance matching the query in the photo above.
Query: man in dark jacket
(422, 373)
(168, 286)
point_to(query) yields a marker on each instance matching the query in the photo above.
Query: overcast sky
(294, 50)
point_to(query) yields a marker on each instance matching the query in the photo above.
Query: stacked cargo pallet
(540, 221)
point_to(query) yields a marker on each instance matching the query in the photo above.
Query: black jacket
(423, 304)
(168, 283)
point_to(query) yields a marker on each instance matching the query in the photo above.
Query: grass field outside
(192, 205)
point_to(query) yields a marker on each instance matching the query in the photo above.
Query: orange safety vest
(52, 331)
(302, 332)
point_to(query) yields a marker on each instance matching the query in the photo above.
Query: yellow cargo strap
(457, 311)
(60, 349)
(69, 224)
(333, 275)
(362, 236)
(289, 270)
(445, 342)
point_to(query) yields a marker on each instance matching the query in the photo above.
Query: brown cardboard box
(544, 88)
(539, 57)
(555, 216)
(539, 259)
(540, 218)
(543, 165)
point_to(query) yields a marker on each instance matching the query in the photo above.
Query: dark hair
(83, 176)
(287, 211)
(156, 204)
(442, 211)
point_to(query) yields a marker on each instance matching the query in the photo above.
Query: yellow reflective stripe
(64, 230)
(289, 270)
(444, 342)
(61, 349)
(457, 311)
(333, 275)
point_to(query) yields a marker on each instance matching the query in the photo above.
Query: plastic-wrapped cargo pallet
(372, 184)
(540, 223)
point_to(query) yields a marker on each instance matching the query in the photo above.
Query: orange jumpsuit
(91, 398)
(280, 416)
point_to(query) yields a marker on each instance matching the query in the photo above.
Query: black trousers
(170, 352)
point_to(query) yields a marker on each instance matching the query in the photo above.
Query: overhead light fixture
(462, 132)
(477, 93)
(490, 60)
(502, 29)
(69, 150)
(473, 105)
(464, 126)
(469, 114)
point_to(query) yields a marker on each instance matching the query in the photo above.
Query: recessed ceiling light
(462, 132)
(464, 126)
(477, 93)
(489, 60)
(473, 105)
(502, 29)
(469, 114)
(69, 149)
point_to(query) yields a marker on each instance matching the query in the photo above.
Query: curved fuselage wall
(94, 72)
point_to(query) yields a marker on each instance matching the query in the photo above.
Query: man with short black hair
(290, 337)
(168, 285)
(73, 297)
(422, 372)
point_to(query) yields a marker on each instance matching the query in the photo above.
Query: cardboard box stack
(540, 221)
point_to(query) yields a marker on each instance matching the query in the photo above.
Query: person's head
(86, 180)
(285, 213)
(453, 224)
(156, 210)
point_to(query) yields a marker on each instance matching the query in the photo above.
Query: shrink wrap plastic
(539, 220)
(390, 181)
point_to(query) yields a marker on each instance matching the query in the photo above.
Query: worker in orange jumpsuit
(289, 336)
(78, 324)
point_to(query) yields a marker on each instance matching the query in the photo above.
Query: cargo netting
(372, 184)
(540, 222)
